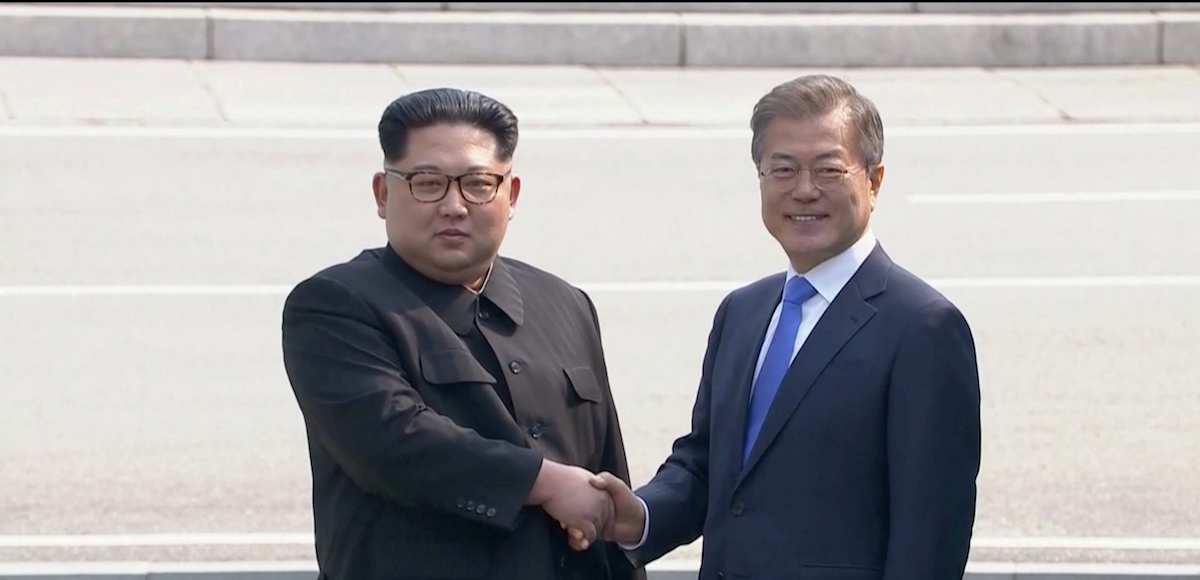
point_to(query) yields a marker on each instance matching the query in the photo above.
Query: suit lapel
(848, 312)
(752, 341)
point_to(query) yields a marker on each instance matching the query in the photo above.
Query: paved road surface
(141, 276)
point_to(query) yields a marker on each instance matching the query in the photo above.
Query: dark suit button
(515, 367)
(537, 430)
(483, 315)
(739, 508)
(470, 505)
(480, 509)
(460, 502)
(491, 513)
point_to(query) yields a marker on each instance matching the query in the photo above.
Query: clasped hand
(592, 507)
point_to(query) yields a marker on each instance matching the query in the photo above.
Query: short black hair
(446, 105)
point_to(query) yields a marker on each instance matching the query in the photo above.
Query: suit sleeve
(359, 405)
(933, 440)
(677, 497)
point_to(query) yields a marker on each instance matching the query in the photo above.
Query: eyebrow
(831, 154)
(433, 167)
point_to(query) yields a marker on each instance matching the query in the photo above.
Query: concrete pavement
(152, 213)
(37, 91)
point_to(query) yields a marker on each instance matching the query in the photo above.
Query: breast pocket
(453, 366)
(584, 386)
(582, 428)
(457, 387)
(853, 367)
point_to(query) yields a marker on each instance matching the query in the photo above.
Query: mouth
(452, 233)
(806, 217)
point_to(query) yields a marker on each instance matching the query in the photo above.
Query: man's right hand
(629, 521)
(569, 495)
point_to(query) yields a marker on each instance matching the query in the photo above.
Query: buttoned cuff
(645, 529)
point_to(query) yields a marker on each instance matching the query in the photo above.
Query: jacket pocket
(836, 572)
(426, 559)
(447, 367)
(584, 384)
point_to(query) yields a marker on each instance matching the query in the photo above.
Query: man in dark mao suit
(836, 431)
(456, 402)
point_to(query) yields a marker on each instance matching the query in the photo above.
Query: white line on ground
(131, 568)
(1054, 197)
(145, 290)
(124, 568)
(303, 539)
(244, 290)
(131, 540)
(1094, 543)
(1045, 571)
(643, 132)
(1066, 282)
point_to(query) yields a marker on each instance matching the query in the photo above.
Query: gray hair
(813, 96)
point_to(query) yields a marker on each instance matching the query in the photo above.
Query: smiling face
(452, 239)
(817, 196)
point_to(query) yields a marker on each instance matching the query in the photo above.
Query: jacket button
(483, 315)
(480, 509)
(515, 367)
(537, 430)
(491, 512)
(460, 502)
(470, 505)
(739, 508)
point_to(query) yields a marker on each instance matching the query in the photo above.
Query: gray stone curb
(1181, 38)
(614, 38)
(50, 31)
(886, 40)
(448, 38)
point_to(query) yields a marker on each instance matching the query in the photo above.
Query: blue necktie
(778, 359)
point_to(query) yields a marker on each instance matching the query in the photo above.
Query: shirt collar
(483, 286)
(830, 276)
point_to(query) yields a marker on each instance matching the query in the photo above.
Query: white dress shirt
(828, 278)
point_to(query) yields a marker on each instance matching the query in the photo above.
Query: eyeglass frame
(408, 175)
(812, 174)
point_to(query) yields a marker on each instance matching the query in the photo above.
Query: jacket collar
(455, 304)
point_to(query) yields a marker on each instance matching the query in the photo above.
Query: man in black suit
(456, 402)
(857, 458)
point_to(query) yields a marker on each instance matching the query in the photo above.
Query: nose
(805, 189)
(453, 204)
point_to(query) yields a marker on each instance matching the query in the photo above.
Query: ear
(514, 191)
(876, 182)
(379, 185)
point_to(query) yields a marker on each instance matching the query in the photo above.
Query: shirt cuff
(645, 529)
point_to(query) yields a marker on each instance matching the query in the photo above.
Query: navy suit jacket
(866, 464)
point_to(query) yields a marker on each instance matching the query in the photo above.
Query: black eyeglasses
(430, 186)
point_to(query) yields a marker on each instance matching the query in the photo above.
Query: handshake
(589, 506)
